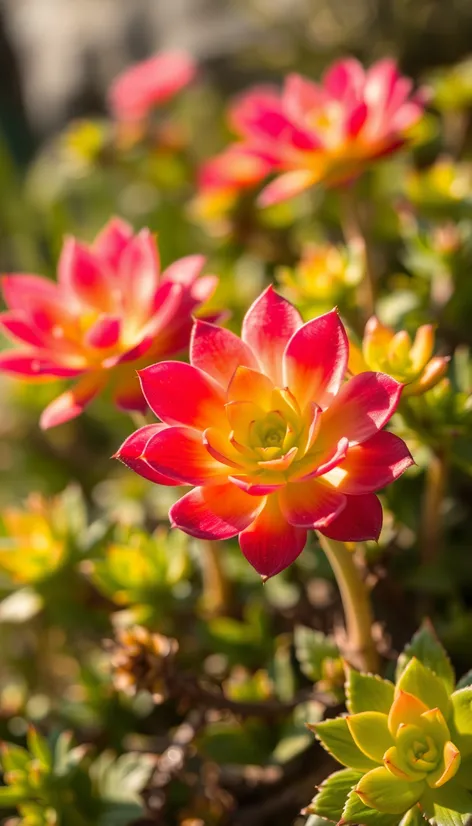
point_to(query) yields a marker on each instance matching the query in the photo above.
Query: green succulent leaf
(311, 649)
(331, 798)
(461, 725)
(367, 692)
(14, 758)
(448, 806)
(355, 812)
(39, 748)
(413, 817)
(423, 683)
(316, 820)
(336, 738)
(466, 680)
(382, 790)
(426, 647)
(10, 796)
(370, 733)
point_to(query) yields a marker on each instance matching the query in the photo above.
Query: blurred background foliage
(144, 663)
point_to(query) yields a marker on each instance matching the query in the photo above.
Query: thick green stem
(354, 234)
(360, 649)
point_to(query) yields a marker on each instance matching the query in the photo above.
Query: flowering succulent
(410, 362)
(324, 275)
(407, 747)
(327, 133)
(111, 311)
(270, 434)
(150, 83)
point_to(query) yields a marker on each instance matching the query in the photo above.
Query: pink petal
(287, 186)
(131, 454)
(150, 83)
(28, 292)
(83, 277)
(248, 106)
(181, 394)
(323, 461)
(218, 352)
(370, 466)
(315, 360)
(356, 119)
(203, 289)
(34, 364)
(110, 244)
(344, 79)
(127, 393)
(104, 333)
(267, 327)
(179, 452)
(215, 512)
(362, 407)
(72, 403)
(18, 328)
(139, 275)
(269, 543)
(185, 270)
(310, 504)
(301, 96)
(360, 520)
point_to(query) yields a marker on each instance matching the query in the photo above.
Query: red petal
(215, 512)
(111, 242)
(315, 360)
(300, 96)
(35, 364)
(18, 328)
(287, 186)
(218, 352)
(104, 333)
(356, 119)
(179, 452)
(130, 453)
(181, 394)
(360, 520)
(310, 504)
(270, 544)
(267, 327)
(83, 276)
(257, 488)
(372, 465)
(72, 402)
(362, 407)
(249, 385)
(29, 292)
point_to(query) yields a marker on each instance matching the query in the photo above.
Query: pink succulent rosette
(148, 84)
(329, 132)
(110, 312)
(273, 439)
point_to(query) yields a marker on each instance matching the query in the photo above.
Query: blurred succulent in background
(327, 133)
(148, 84)
(144, 573)
(451, 86)
(442, 190)
(111, 311)
(142, 661)
(407, 747)
(410, 362)
(324, 277)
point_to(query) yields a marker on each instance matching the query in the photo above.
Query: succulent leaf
(355, 812)
(381, 790)
(338, 741)
(426, 647)
(370, 733)
(331, 798)
(367, 692)
(423, 683)
(461, 726)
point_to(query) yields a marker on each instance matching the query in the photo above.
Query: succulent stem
(360, 649)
